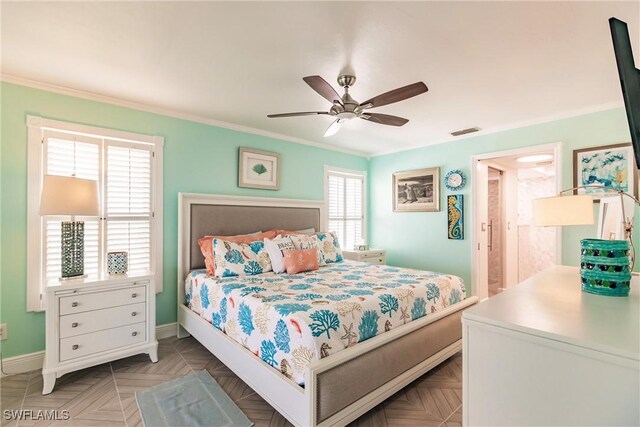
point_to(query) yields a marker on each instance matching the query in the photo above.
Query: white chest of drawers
(89, 322)
(544, 353)
(372, 256)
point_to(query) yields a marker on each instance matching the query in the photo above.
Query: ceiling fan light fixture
(345, 108)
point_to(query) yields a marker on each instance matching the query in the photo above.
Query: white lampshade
(563, 210)
(64, 195)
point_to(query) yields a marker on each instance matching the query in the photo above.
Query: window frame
(348, 173)
(36, 127)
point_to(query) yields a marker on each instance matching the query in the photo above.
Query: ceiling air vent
(465, 131)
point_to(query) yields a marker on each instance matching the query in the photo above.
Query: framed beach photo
(417, 190)
(610, 166)
(258, 169)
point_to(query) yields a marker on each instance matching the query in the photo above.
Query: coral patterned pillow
(297, 261)
(240, 259)
(206, 245)
(330, 247)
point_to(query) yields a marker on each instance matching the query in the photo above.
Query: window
(128, 168)
(345, 192)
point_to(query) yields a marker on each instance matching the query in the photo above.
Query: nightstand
(372, 256)
(93, 321)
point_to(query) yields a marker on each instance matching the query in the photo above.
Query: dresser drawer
(107, 318)
(96, 342)
(98, 300)
(371, 254)
(379, 260)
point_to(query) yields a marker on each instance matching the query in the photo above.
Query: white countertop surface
(552, 305)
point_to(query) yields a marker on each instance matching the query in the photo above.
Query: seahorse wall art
(455, 219)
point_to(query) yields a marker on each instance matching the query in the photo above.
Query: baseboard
(33, 361)
(23, 363)
(167, 330)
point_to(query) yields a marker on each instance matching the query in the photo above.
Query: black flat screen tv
(629, 80)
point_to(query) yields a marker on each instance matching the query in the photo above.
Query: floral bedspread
(291, 320)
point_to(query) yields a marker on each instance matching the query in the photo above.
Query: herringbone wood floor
(105, 395)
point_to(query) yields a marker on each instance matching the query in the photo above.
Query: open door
(481, 232)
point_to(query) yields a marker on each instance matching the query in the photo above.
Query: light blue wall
(419, 239)
(197, 158)
(202, 158)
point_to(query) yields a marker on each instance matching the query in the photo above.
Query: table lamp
(606, 265)
(70, 196)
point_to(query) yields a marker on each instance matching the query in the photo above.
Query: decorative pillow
(206, 245)
(330, 247)
(297, 261)
(276, 248)
(240, 259)
(308, 242)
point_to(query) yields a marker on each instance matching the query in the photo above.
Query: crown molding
(516, 125)
(255, 131)
(91, 96)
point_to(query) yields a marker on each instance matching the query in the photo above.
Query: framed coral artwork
(455, 218)
(258, 169)
(610, 166)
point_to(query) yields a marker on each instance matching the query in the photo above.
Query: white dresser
(89, 322)
(545, 353)
(372, 256)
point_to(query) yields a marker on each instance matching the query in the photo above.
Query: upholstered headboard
(229, 220)
(209, 214)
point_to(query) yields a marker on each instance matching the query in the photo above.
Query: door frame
(557, 153)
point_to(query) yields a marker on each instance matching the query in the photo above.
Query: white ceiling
(489, 64)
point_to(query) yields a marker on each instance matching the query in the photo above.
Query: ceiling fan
(346, 108)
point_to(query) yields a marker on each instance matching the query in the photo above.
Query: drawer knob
(74, 304)
(75, 346)
(74, 325)
(133, 334)
(134, 314)
(133, 295)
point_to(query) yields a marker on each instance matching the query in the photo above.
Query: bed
(313, 339)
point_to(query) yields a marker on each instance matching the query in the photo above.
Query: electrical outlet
(4, 332)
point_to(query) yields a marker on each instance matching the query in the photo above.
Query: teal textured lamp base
(604, 267)
(72, 250)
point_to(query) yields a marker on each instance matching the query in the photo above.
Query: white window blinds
(124, 172)
(345, 200)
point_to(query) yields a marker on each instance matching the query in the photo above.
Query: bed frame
(339, 388)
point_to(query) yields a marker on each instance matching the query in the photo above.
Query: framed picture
(455, 216)
(609, 166)
(417, 190)
(258, 169)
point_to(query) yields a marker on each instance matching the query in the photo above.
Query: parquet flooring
(105, 395)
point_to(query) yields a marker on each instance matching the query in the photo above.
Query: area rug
(194, 400)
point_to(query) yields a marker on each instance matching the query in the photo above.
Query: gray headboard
(229, 220)
(209, 214)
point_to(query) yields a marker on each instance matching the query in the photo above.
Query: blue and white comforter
(291, 320)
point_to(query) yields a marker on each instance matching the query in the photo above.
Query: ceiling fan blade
(384, 119)
(333, 128)
(321, 86)
(305, 113)
(396, 95)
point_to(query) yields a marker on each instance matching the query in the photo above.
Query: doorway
(508, 248)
